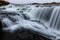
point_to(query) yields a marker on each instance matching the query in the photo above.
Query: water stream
(44, 20)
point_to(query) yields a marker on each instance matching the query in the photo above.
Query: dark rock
(2, 3)
(22, 34)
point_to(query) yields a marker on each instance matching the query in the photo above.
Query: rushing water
(44, 20)
(54, 21)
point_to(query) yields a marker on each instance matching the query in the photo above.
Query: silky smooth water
(44, 20)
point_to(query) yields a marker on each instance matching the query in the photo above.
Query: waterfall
(45, 15)
(7, 22)
(41, 14)
(54, 20)
(44, 20)
(33, 13)
(10, 18)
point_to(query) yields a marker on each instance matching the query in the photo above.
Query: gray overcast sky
(31, 1)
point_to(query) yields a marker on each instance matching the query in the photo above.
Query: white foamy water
(44, 20)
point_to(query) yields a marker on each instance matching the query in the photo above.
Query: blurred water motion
(44, 20)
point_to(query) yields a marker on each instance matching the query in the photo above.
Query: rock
(23, 34)
(2, 3)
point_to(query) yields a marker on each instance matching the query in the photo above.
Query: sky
(31, 1)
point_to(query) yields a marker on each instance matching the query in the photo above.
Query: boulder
(2, 3)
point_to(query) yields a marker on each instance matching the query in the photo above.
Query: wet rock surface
(22, 34)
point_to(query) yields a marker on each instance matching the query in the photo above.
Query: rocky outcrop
(23, 34)
(2, 3)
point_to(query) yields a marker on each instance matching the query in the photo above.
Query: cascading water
(7, 22)
(43, 20)
(54, 20)
(45, 14)
(41, 14)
